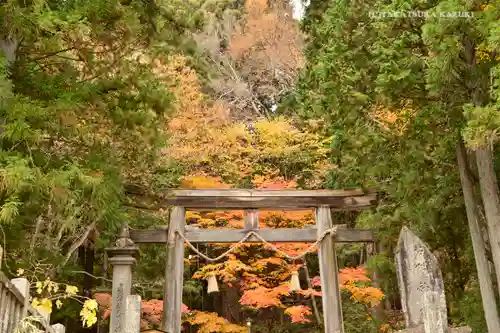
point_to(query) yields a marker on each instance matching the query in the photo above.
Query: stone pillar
(420, 285)
(122, 258)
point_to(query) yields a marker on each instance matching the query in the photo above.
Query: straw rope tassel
(294, 282)
(213, 287)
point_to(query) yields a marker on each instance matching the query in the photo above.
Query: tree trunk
(313, 299)
(88, 279)
(491, 202)
(378, 311)
(9, 47)
(86, 257)
(230, 306)
(104, 269)
(483, 271)
(385, 285)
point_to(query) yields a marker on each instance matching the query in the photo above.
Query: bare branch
(78, 242)
(51, 54)
(39, 223)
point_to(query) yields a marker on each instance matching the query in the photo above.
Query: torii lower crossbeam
(282, 235)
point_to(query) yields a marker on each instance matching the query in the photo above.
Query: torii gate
(323, 201)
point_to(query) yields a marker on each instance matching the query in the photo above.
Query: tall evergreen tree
(396, 91)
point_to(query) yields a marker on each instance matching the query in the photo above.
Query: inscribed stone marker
(420, 284)
(118, 311)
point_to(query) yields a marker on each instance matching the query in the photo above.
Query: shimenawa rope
(331, 231)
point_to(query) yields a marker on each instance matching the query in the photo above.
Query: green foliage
(465, 309)
(83, 112)
(393, 92)
(482, 125)
(355, 318)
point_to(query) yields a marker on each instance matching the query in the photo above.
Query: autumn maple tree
(262, 276)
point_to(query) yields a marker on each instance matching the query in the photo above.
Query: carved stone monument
(421, 287)
(420, 284)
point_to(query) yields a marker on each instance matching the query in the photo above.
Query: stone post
(122, 258)
(58, 328)
(134, 311)
(23, 285)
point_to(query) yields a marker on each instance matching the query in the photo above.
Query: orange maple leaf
(350, 274)
(298, 313)
(262, 297)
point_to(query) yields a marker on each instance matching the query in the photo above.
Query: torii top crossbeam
(341, 200)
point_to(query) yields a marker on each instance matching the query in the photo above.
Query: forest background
(105, 103)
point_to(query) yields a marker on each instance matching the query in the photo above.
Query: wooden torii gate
(323, 201)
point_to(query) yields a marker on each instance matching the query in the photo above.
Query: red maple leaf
(152, 309)
(316, 281)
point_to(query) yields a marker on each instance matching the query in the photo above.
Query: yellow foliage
(89, 312)
(50, 291)
(385, 328)
(291, 219)
(212, 147)
(232, 153)
(44, 305)
(370, 296)
(71, 290)
(192, 217)
(202, 182)
(393, 120)
(210, 322)
(184, 84)
(486, 6)
(484, 54)
(227, 271)
(206, 223)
